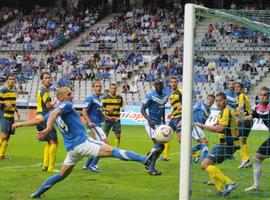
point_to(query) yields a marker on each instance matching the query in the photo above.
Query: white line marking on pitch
(25, 166)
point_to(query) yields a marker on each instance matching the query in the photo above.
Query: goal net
(225, 51)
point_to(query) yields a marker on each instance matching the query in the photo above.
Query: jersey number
(61, 125)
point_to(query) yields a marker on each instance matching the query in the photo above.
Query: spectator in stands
(211, 65)
(133, 87)
(126, 87)
(218, 82)
(209, 77)
(150, 76)
(253, 71)
(142, 75)
(246, 66)
(247, 83)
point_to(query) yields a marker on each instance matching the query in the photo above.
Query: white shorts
(197, 133)
(89, 148)
(98, 133)
(149, 130)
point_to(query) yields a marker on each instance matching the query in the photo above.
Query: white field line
(25, 166)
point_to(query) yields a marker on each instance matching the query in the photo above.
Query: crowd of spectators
(147, 27)
(47, 29)
(7, 14)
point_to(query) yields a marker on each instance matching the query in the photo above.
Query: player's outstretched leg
(65, 171)
(153, 155)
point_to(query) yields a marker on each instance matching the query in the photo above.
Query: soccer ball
(163, 134)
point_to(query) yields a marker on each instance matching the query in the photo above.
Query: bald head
(63, 94)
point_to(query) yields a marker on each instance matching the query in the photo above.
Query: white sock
(257, 172)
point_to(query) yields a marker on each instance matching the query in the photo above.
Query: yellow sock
(116, 142)
(218, 175)
(166, 150)
(219, 185)
(46, 156)
(245, 150)
(3, 147)
(196, 154)
(1, 142)
(52, 156)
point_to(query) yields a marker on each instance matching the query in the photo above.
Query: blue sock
(95, 161)
(89, 161)
(127, 155)
(197, 147)
(204, 151)
(158, 148)
(47, 185)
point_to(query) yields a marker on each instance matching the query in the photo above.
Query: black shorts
(51, 136)
(220, 153)
(116, 126)
(264, 149)
(245, 127)
(6, 125)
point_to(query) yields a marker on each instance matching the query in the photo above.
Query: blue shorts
(51, 136)
(176, 124)
(116, 126)
(220, 153)
(6, 124)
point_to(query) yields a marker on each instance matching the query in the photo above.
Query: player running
(112, 105)
(44, 105)
(226, 128)
(155, 103)
(243, 106)
(93, 115)
(7, 109)
(76, 140)
(201, 112)
(262, 111)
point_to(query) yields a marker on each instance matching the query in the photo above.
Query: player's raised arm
(50, 121)
(32, 122)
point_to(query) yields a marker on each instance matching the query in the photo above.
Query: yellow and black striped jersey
(43, 97)
(227, 119)
(176, 102)
(243, 101)
(8, 96)
(113, 104)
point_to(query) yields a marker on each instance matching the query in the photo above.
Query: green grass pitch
(118, 180)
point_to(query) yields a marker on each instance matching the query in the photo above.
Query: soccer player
(243, 106)
(231, 94)
(262, 111)
(76, 140)
(155, 103)
(175, 115)
(44, 105)
(93, 115)
(226, 128)
(7, 108)
(112, 105)
(201, 112)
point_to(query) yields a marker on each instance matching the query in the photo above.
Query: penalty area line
(25, 166)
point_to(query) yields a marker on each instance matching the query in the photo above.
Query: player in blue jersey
(201, 112)
(155, 103)
(93, 116)
(76, 140)
(231, 94)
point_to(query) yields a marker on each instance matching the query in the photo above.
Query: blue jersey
(94, 109)
(201, 112)
(70, 126)
(156, 105)
(231, 98)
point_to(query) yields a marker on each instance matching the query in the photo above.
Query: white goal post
(191, 11)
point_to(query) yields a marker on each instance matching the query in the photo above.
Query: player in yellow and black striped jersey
(176, 114)
(44, 105)
(243, 106)
(8, 108)
(112, 105)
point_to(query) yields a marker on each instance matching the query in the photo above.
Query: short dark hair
(95, 81)
(43, 73)
(113, 84)
(9, 75)
(266, 89)
(221, 94)
(211, 95)
(231, 80)
(241, 84)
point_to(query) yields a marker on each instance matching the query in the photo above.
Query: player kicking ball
(226, 128)
(76, 140)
